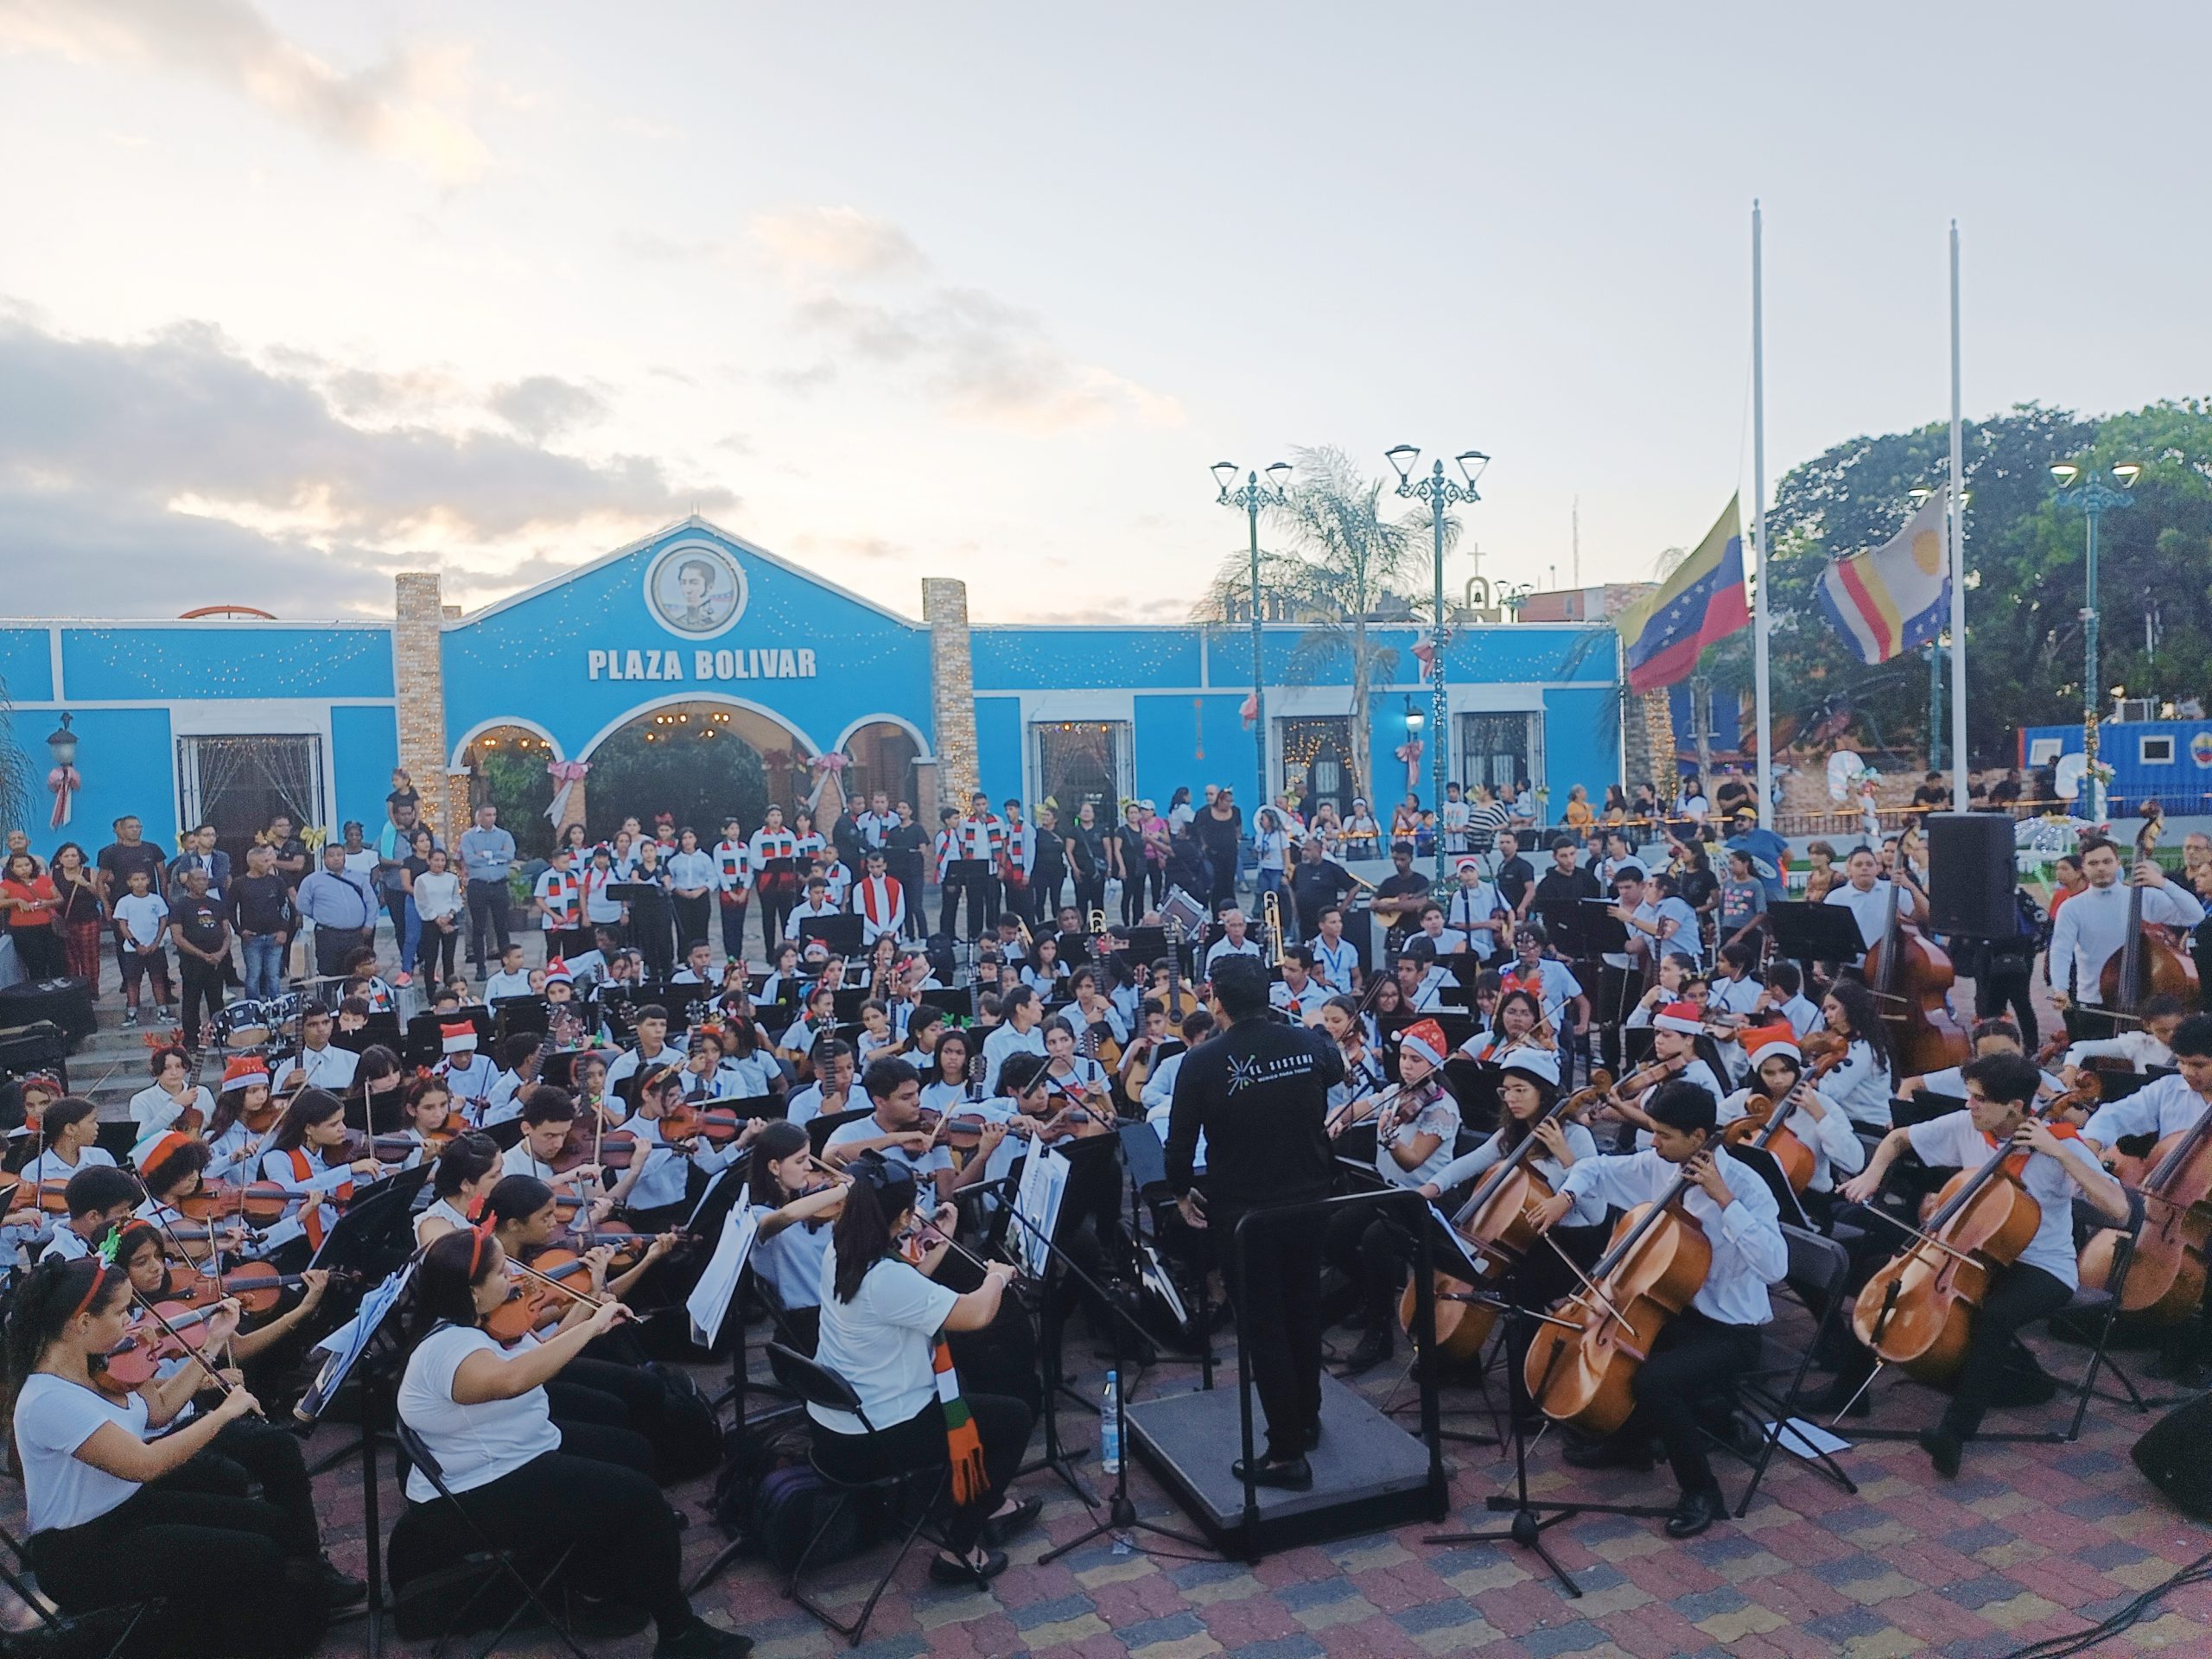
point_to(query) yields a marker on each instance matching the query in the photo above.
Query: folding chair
(506, 1561)
(102, 1630)
(1819, 1268)
(820, 1386)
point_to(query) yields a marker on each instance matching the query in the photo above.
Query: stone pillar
(418, 681)
(952, 688)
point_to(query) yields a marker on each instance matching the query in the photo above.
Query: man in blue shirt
(487, 858)
(1769, 851)
(343, 907)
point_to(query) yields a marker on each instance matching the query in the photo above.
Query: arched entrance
(505, 764)
(884, 755)
(700, 760)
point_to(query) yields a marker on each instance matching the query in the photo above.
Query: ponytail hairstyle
(454, 1265)
(308, 1108)
(880, 1193)
(776, 1142)
(57, 1116)
(516, 1197)
(51, 1295)
(467, 1158)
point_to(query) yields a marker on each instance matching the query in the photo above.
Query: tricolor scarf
(732, 858)
(561, 891)
(962, 1442)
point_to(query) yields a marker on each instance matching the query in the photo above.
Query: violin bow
(191, 1354)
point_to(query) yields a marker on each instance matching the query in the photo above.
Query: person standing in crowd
(1258, 1092)
(774, 853)
(79, 917)
(909, 842)
(693, 881)
(30, 901)
(1221, 831)
(437, 895)
(1318, 884)
(128, 852)
(650, 921)
(488, 859)
(1017, 864)
(2091, 927)
(732, 886)
(976, 841)
(200, 852)
(200, 925)
(395, 845)
(558, 900)
(343, 908)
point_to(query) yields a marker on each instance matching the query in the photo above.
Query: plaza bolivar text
(759, 663)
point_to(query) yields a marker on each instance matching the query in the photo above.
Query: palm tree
(1345, 571)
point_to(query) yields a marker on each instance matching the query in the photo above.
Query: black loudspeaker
(1971, 875)
(2176, 1457)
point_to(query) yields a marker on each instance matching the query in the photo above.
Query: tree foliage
(699, 781)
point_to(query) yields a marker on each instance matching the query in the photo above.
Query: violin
(1495, 1223)
(2165, 1281)
(687, 1121)
(1582, 1374)
(49, 1197)
(2147, 965)
(178, 1329)
(1917, 1312)
(259, 1202)
(544, 1298)
(961, 1134)
(256, 1288)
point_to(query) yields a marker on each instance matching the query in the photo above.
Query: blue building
(693, 632)
(2169, 761)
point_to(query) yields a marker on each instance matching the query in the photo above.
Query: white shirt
(1952, 1142)
(2136, 1046)
(1225, 946)
(808, 911)
(1553, 981)
(1439, 1117)
(1835, 1145)
(1468, 906)
(2092, 926)
(926, 1166)
(1696, 1072)
(626, 1063)
(442, 1209)
(505, 984)
(2162, 1106)
(470, 1075)
(1005, 1040)
(437, 895)
(53, 1417)
(1748, 1253)
(1158, 1092)
(1588, 1211)
(1870, 909)
(1683, 942)
(140, 914)
(1861, 1086)
(1335, 963)
(328, 1067)
(1804, 1014)
(790, 1259)
(806, 1105)
(474, 1445)
(153, 1110)
(881, 1342)
(661, 1182)
(1302, 1001)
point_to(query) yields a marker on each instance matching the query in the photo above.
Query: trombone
(1271, 909)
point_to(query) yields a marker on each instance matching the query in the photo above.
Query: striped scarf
(964, 1442)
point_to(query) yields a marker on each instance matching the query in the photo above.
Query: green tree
(517, 784)
(698, 777)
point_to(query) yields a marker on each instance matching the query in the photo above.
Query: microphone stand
(1122, 1517)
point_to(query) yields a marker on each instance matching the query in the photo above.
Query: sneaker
(700, 1640)
(1942, 1448)
(403, 981)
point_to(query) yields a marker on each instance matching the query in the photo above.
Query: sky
(295, 296)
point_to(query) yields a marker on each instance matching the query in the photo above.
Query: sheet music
(711, 1297)
(1044, 1184)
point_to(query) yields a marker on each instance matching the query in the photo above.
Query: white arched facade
(454, 763)
(923, 754)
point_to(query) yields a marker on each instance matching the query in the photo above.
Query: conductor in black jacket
(1259, 1093)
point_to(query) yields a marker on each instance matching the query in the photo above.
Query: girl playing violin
(2053, 1165)
(306, 1158)
(1078, 1080)
(232, 1141)
(650, 1192)
(527, 1218)
(526, 1481)
(175, 1168)
(1516, 1025)
(373, 1100)
(1415, 1130)
(793, 1201)
(1341, 1019)
(107, 1522)
(1861, 1085)
(70, 1126)
(467, 1170)
(425, 1113)
(883, 1321)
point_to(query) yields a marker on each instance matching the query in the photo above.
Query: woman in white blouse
(693, 881)
(525, 1482)
(437, 893)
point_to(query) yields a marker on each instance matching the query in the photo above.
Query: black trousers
(2020, 1296)
(982, 894)
(693, 919)
(775, 903)
(733, 917)
(436, 945)
(920, 1443)
(171, 1541)
(592, 1491)
(1278, 1276)
(488, 920)
(251, 1451)
(2005, 984)
(1693, 1359)
(203, 996)
(909, 871)
(335, 947)
(1375, 1250)
(1091, 893)
(40, 950)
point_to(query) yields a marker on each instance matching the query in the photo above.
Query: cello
(1917, 1312)
(1582, 1375)
(2165, 1282)
(1494, 1222)
(1910, 976)
(2147, 965)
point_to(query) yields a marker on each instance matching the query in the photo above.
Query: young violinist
(97, 1197)
(893, 1130)
(1680, 1051)
(1717, 1337)
(525, 1481)
(1514, 1025)
(793, 1201)
(176, 1168)
(1529, 1091)
(70, 1127)
(466, 1171)
(425, 1111)
(883, 1320)
(232, 1143)
(548, 1117)
(2053, 1163)
(173, 1096)
(524, 1056)
(108, 1524)
(1416, 1127)
(1777, 1068)
(1861, 1085)
(1078, 1080)
(306, 1158)
(651, 1193)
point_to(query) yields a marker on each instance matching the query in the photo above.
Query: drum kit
(261, 1026)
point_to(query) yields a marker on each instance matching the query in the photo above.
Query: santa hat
(1768, 1041)
(557, 972)
(244, 1073)
(1686, 1018)
(1468, 861)
(1426, 1039)
(459, 1038)
(1536, 1062)
(158, 1148)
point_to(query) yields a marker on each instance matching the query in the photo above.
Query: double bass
(1495, 1223)
(1910, 976)
(2148, 964)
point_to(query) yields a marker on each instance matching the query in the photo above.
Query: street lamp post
(2092, 497)
(1251, 496)
(1438, 493)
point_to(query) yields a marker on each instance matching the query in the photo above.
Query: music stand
(1769, 1169)
(375, 1229)
(512, 1014)
(631, 893)
(425, 1042)
(1807, 933)
(378, 1028)
(841, 933)
(953, 1004)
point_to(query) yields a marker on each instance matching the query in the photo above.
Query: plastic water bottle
(1110, 1428)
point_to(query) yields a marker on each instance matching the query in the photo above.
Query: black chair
(499, 1563)
(820, 1386)
(1819, 1269)
(102, 1630)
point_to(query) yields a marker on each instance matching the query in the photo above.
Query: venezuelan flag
(1702, 601)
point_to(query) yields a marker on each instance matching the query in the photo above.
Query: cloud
(406, 106)
(195, 472)
(544, 405)
(836, 242)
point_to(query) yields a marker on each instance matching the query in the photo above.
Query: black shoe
(963, 1573)
(1373, 1348)
(1000, 1527)
(342, 1589)
(1697, 1511)
(1291, 1474)
(700, 1640)
(1612, 1453)
(2192, 1374)
(1942, 1448)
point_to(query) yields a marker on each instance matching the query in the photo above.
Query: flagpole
(1763, 710)
(1956, 509)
